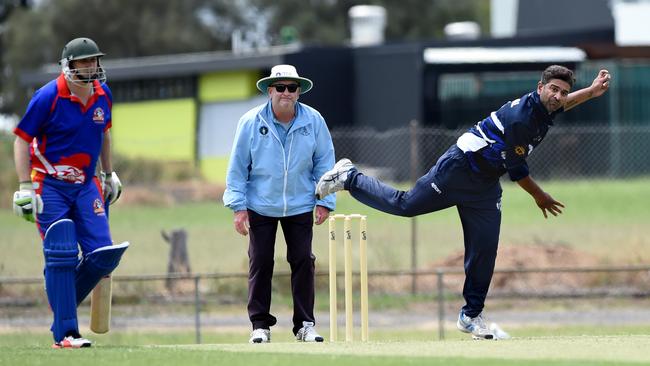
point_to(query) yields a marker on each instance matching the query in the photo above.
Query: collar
(541, 111)
(297, 121)
(64, 91)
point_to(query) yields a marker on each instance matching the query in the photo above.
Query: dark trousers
(451, 182)
(298, 233)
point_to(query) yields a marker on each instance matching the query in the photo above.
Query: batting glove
(111, 186)
(27, 204)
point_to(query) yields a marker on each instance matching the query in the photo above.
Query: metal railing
(442, 288)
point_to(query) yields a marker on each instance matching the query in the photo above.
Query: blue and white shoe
(334, 180)
(476, 326)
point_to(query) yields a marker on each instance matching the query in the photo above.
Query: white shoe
(333, 180)
(475, 325)
(498, 332)
(260, 335)
(308, 334)
(72, 342)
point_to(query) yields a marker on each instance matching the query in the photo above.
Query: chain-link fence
(218, 300)
(576, 152)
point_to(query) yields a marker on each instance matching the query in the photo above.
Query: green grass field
(607, 219)
(600, 216)
(620, 349)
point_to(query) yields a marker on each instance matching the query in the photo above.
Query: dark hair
(558, 72)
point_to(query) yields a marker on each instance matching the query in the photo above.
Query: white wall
(631, 22)
(218, 124)
(503, 18)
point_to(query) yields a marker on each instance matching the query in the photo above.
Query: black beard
(87, 80)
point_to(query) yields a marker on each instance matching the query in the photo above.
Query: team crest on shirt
(520, 150)
(98, 207)
(264, 130)
(98, 115)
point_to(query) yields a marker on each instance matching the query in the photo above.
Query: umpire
(281, 149)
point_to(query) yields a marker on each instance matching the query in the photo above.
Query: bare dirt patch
(552, 260)
(533, 256)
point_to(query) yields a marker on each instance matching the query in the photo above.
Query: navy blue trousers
(298, 234)
(450, 182)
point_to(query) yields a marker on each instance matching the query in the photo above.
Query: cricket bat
(100, 300)
(102, 294)
(101, 297)
(100, 306)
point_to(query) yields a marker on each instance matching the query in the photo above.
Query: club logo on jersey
(303, 131)
(98, 207)
(520, 150)
(70, 168)
(98, 115)
(264, 130)
(69, 173)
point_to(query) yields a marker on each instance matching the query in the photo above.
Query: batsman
(59, 140)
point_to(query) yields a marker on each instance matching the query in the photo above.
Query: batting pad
(97, 264)
(61, 251)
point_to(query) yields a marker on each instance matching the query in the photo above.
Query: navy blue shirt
(501, 142)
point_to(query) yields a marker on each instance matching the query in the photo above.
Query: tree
(316, 21)
(421, 20)
(127, 28)
(326, 21)
(121, 28)
(26, 43)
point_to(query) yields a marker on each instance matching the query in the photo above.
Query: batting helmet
(80, 48)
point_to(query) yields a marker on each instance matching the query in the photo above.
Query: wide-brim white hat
(284, 72)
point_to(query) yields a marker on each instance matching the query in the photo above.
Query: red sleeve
(23, 135)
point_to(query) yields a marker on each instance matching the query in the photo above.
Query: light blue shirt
(274, 178)
(282, 129)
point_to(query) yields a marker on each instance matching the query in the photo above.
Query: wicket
(363, 276)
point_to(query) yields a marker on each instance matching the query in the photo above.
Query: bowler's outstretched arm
(597, 88)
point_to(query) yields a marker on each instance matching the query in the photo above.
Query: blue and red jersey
(66, 136)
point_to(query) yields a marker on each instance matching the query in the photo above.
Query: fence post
(615, 155)
(197, 309)
(414, 256)
(441, 305)
(415, 165)
(178, 258)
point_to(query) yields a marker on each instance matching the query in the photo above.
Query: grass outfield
(547, 351)
(599, 216)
